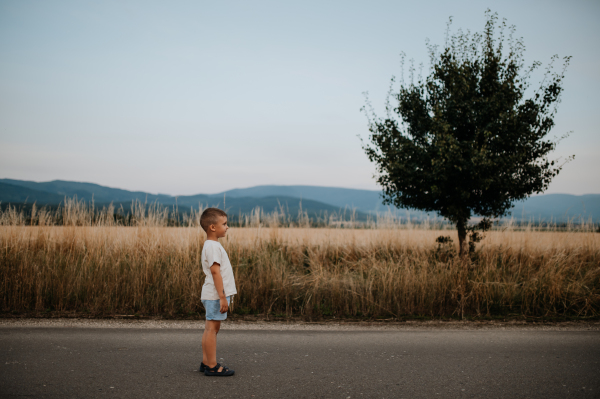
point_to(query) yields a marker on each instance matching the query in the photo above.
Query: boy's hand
(224, 305)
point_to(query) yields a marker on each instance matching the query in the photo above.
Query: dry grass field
(309, 272)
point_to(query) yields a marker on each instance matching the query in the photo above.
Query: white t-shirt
(213, 252)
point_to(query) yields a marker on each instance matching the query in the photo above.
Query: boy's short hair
(210, 216)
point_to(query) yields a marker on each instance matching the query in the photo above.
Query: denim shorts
(213, 309)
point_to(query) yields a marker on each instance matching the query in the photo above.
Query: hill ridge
(315, 199)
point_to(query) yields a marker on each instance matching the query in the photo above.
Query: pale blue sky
(185, 97)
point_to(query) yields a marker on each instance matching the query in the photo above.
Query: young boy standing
(217, 290)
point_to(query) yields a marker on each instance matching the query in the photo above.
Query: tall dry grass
(386, 272)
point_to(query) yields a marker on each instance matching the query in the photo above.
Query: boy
(217, 290)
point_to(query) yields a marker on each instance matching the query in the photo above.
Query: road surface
(146, 363)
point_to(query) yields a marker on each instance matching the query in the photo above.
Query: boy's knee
(213, 326)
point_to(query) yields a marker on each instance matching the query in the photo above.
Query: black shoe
(214, 371)
(202, 367)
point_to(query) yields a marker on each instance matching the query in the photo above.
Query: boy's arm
(215, 270)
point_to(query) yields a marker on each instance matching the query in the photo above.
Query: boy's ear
(212, 227)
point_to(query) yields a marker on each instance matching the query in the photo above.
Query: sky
(188, 97)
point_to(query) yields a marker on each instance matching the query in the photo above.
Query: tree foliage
(470, 138)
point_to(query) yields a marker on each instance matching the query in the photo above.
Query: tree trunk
(462, 236)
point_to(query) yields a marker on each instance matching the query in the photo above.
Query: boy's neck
(212, 237)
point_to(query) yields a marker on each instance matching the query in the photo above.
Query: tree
(470, 138)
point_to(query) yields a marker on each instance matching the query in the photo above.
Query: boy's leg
(209, 343)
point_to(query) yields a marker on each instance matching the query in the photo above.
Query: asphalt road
(146, 363)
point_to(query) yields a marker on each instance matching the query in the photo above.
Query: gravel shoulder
(302, 326)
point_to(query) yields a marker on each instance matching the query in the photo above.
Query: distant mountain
(19, 195)
(313, 199)
(361, 200)
(54, 193)
(558, 207)
(86, 191)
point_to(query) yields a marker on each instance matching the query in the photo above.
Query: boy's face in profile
(220, 228)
